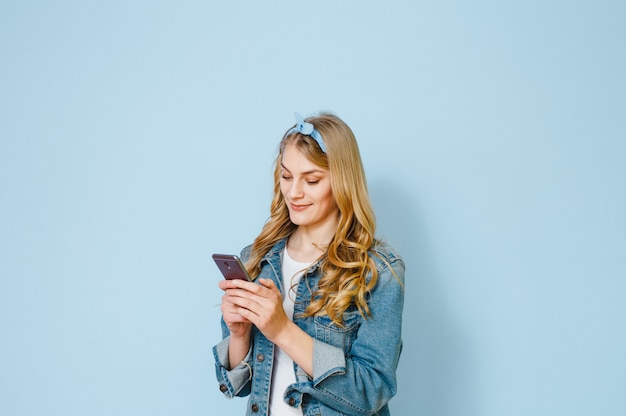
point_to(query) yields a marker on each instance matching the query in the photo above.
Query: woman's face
(306, 189)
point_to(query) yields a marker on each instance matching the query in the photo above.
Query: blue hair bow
(307, 129)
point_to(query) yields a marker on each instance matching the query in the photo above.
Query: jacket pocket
(335, 335)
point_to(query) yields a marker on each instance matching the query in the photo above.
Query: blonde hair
(348, 273)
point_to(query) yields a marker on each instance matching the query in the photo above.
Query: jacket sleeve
(363, 381)
(237, 380)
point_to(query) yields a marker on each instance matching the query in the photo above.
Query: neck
(307, 244)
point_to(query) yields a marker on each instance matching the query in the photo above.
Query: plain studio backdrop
(137, 138)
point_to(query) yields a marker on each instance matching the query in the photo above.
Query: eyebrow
(308, 172)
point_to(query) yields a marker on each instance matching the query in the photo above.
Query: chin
(298, 220)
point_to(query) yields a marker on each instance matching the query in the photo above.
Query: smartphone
(231, 267)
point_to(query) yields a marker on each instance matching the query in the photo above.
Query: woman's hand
(240, 328)
(262, 305)
(237, 324)
(246, 303)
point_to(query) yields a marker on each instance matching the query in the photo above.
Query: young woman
(318, 331)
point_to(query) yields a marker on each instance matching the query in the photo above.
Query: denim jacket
(354, 366)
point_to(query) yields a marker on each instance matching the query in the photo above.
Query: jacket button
(260, 358)
(292, 402)
(223, 388)
(255, 408)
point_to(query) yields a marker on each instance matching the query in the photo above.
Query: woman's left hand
(261, 304)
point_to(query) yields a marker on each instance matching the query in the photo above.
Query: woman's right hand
(238, 326)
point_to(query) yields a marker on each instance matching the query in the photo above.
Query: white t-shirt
(282, 373)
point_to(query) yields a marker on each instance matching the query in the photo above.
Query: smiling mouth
(296, 207)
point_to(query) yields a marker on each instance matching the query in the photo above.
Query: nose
(296, 190)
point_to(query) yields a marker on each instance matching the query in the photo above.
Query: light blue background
(136, 138)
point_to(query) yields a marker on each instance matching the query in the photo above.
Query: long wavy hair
(348, 273)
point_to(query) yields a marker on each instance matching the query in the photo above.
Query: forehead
(296, 162)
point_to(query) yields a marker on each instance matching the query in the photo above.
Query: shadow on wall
(435, 374)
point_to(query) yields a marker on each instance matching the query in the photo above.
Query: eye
(313, 182)
(285, 177)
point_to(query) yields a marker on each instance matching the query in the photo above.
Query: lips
(295, 207)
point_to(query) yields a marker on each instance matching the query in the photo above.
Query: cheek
(283, 188)
(327, 198)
